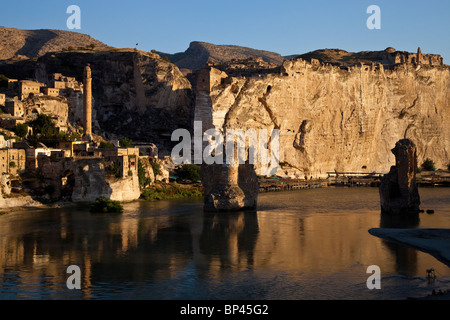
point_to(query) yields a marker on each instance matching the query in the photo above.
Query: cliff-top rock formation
(387, 57)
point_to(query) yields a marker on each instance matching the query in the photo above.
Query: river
(308, 244)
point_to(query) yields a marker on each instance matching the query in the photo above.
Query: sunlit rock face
(398, 189)
(334, 118)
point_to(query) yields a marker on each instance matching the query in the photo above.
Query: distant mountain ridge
(199, 53)
(26, 44)
(18, 44)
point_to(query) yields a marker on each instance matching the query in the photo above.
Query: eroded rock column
(398, 189)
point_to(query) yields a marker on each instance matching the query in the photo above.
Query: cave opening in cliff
(67, 185)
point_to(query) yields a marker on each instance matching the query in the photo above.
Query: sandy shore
(435, 242)
(432, 241)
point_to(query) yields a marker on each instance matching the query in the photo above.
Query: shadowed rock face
(398, 189)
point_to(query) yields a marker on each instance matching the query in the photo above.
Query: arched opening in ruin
(67, 185)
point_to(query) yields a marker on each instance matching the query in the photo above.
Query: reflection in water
(310, 244)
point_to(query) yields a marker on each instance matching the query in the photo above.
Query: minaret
(419, 56)
(87, 104)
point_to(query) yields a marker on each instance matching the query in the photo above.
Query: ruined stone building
(15, 107)
(12, 161)
(59, 81)
(126, 159)
(27, 87)
(54, 92)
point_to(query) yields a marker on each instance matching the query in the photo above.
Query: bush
(126, 143)
(170, 193)
(104, 205)
(156, 168)
(188, 172)
(428, 165)
(115, 170)
(143, 180)
(106, 145)
(21, 130)
(3, 81)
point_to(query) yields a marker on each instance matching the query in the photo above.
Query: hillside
(199, 53)
(22, 44)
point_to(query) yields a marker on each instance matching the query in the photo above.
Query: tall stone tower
(87, 104)
(419, 56)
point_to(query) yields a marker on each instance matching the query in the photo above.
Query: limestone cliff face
(335, 119)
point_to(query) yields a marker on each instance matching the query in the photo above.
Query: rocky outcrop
(53, 106)
(334, 119)
(79, 180)
(387, 57)
(398, 189)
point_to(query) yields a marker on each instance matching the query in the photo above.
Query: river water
(306, 244)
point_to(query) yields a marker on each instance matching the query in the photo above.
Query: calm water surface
(307, 244)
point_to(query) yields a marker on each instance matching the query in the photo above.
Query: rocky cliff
(136, 94)
(79, 180)
(332, 118)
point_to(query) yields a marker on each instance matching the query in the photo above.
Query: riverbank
(174, 190)
(432, 241)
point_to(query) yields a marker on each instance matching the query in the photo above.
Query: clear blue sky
(283, 26)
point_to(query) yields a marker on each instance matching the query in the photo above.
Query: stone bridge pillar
(398, 189)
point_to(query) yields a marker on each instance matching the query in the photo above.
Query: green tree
(44, 126)
(104, 205)
(21, 130)
(156, 167)
(3, 81)
(188, 172)
(106, 145)
(428, 165)
(126, 143)
(144, 181)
